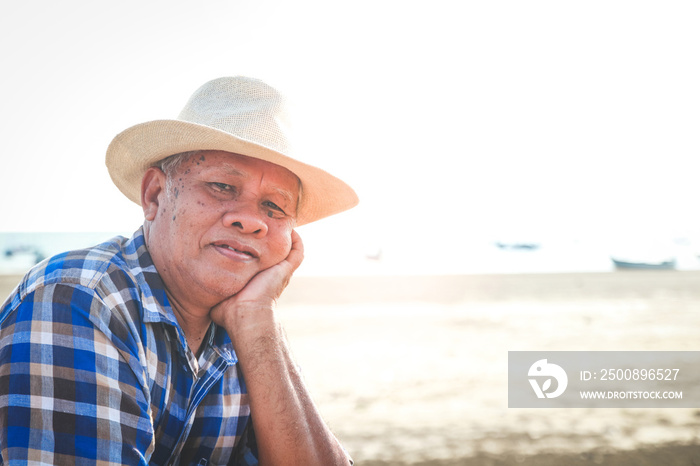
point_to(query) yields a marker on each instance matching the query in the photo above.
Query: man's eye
(222, 186)
(275, 210)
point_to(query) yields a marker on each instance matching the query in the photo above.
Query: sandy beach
(413, 370)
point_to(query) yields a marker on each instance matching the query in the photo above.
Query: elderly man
(164, 348)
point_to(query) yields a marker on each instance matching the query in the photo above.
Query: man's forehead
(230, 169)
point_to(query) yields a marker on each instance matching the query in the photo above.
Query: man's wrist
(249, 322)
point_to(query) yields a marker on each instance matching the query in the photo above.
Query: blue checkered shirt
(94, 369)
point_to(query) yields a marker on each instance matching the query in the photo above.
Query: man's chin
(227, 287)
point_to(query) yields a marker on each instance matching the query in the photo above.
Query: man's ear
(152, 185)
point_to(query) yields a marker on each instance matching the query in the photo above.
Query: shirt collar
(154, 301)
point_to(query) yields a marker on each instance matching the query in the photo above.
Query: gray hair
(171, 164)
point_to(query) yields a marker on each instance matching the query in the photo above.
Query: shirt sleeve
(68, 389)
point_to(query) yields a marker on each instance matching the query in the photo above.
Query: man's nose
(247, 217)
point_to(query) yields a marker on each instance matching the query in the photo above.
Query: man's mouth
(240, 250)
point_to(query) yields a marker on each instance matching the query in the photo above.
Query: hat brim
(136, 149)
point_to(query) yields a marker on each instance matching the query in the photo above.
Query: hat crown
(246, 108)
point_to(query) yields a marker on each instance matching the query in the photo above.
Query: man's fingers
(296, 255)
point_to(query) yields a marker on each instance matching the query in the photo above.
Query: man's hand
(260, 293)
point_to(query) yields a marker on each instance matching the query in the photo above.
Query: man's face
(222, 219)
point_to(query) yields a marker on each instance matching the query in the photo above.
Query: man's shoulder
(115, 281)
(103, 269)
(82, 267)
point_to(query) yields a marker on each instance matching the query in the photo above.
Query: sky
(453, 120)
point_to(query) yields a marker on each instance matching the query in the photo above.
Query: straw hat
(240, 115)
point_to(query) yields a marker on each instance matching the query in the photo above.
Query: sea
(19, 251)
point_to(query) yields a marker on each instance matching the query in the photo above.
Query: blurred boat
(517, 245)
(19, 259)
(659, 264)
(374, 255)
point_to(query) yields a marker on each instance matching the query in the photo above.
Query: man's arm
(288, 428)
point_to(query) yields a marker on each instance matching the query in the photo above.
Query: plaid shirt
(94, 368)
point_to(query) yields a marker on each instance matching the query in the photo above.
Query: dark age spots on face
(187, 172)
(174, 217)
(177, 192)
(269, 214)
(202, 158)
